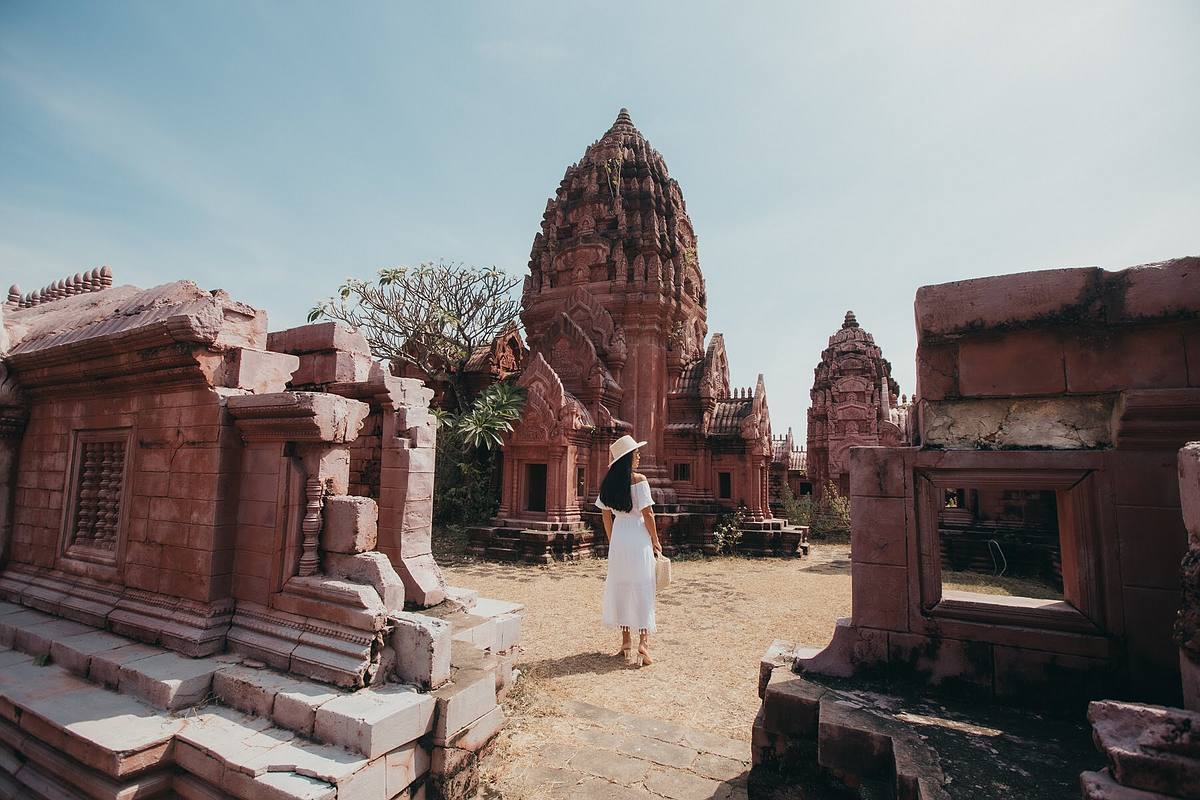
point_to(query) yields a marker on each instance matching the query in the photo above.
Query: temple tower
(855, 402)
(616, 237)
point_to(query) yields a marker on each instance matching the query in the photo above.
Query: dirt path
(714, 624)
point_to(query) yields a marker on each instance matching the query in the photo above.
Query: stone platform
(87, 713)
(536, 542)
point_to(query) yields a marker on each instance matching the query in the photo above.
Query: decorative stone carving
(852, 387)
(314, 493)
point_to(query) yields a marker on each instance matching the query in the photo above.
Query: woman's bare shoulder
(638, 477)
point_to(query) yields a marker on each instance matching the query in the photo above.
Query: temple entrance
(535, 487)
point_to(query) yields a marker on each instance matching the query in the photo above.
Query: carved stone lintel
(309, 560)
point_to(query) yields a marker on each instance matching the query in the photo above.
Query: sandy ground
(714, 624)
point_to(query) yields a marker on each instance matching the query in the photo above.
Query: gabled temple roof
(728, 414)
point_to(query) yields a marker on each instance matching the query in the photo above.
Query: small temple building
(853, 405)
(789, 465)
(615, 314)
(216, 567)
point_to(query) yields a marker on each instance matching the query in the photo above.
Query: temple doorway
(535, 487)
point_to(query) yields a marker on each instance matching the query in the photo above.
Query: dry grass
(996, 584)
(714, 623)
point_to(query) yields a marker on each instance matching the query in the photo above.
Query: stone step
(110, 733)
(82, 738)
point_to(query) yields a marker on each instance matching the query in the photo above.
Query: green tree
(467, 454)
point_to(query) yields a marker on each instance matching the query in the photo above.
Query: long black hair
(616, 490)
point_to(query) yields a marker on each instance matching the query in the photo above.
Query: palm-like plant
(491, 416)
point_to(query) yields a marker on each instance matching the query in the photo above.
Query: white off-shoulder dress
(629, 587)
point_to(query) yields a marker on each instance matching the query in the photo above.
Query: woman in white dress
(632, 547)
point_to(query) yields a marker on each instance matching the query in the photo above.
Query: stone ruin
(615, 311)
(1071, 390)
(215, 561)
(855, 403)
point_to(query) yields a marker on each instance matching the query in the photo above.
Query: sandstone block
(375, 721)
(350, 524)
(105, 666)
(422, 647)
(470, 695)
(318, 337)
(877, 471)
(1189, 489)
(1018, 363)
(879, 530)
(1151, 748)
(168, 680)
(296, 706)
(74, 653)
(792, 705)
(37, 640)
(879, 596)
(373, 569)
(259, 371)
(403, 766)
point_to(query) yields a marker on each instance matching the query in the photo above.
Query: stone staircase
(87, 713)
(853, 746)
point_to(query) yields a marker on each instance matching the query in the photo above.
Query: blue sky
(833, 155)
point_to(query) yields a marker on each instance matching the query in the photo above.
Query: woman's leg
(626, 643)
(644, 648)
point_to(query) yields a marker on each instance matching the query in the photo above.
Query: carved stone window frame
(1082, 608)
(79, 558)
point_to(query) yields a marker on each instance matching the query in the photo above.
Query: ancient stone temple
(1053, 409)
(855, 403)
(209, 537)
(615, 312)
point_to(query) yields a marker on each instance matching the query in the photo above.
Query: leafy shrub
(728, 531)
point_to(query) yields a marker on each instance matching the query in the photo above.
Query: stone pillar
(1187, 624)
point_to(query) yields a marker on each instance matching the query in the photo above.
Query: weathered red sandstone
(192, 509)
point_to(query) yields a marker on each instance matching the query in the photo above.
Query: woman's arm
(608, 518)
(651, 528)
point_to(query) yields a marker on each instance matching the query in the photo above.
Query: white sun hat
(622, 447)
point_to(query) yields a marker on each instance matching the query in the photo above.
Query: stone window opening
(1036, 527)
(94, 524)
(682, 471)
(580, 483)
(1002, 541)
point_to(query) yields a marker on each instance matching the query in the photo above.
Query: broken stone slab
(168, 680)
(374, 721)
(1152, 748)
(373, 569)
(105, 666)
(422, 647)
(779, 654)
(469, 696)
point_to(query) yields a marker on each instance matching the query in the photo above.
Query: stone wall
(1084, 382)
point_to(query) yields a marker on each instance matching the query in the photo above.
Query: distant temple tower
(855, 401)
(615, 318)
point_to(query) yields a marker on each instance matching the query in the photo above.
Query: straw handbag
(662, 571)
